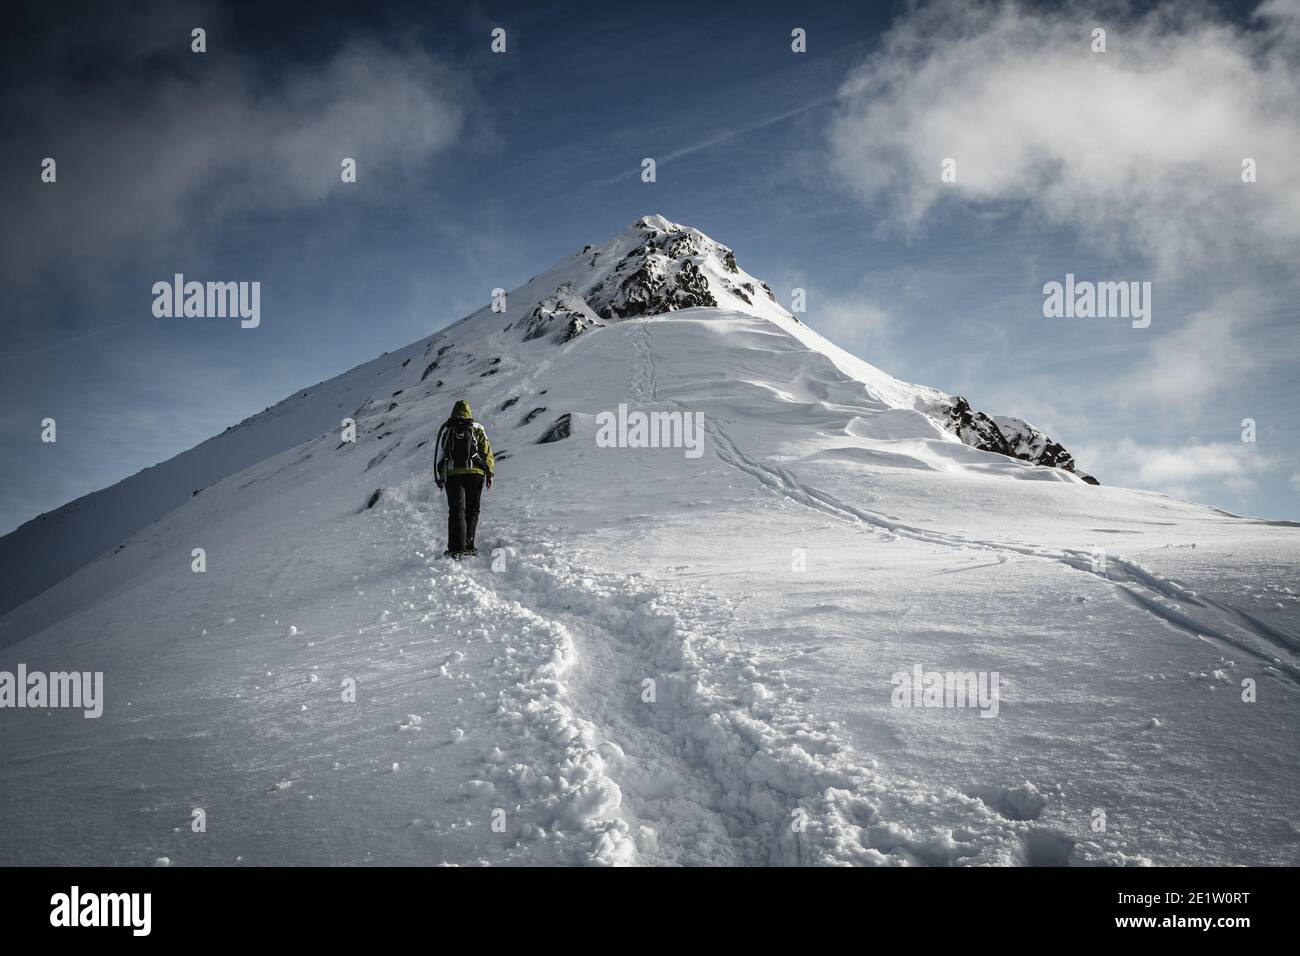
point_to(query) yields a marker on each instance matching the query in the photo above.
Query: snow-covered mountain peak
(656, 266)
(652, 267)
(557, 347)
(668, 266)
(655, 222)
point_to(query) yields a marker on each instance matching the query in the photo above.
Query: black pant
(463, 494)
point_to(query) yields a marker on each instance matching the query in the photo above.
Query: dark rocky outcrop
(562, 316)
(1012, 437)
(559, 429)
(975, 428)
(657, 276)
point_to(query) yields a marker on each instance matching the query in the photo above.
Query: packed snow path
(636, 727)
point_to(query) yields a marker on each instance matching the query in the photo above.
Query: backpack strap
(440, 449)
(475, 429)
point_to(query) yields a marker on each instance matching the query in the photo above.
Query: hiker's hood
(461, 410)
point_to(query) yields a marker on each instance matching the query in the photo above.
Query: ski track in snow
(716, 768)
(1170, 602)
(1166, 599)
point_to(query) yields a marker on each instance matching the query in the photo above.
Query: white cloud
(1179, 469)
(1139, 148)
(847, 320)
(141, 168)
(1210, 352)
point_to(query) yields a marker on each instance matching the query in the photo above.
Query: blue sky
(821, 170)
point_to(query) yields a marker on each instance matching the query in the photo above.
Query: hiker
(462, 464)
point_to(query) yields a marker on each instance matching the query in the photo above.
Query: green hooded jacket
(483, 464)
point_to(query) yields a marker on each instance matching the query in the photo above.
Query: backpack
(462, 444)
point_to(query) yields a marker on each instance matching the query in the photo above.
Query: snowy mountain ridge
(833, 533)
(653, 267)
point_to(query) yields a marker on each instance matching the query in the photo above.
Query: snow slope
(835, 532)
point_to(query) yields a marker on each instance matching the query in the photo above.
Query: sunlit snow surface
(501, 716)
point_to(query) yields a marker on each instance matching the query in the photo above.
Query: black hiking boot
(456, 555)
